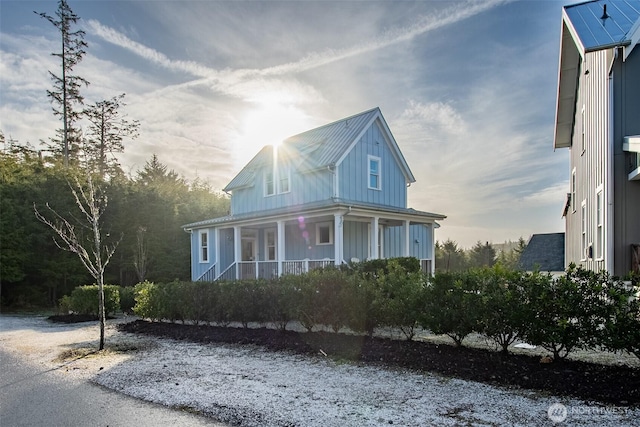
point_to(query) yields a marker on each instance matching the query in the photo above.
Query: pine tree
(107, 130)
(66, 87)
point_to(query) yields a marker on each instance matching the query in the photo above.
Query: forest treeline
(146, 211)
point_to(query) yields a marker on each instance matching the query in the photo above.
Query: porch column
(338, 237)
(280, 252)
(216, 248)
(375, 237)
(407, 243)
(237, 249)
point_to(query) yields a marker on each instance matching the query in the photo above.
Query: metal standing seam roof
(596, 33)
(316, 148)
(586, 28)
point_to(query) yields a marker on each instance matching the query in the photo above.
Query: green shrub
(452, 305)
(621, 331)
(566, 312)
(401, 297)
(84, 299)
(147, 301)
(127, 298)
(504, 312)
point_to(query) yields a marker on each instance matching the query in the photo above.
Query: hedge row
(581, 309)
(84, 300)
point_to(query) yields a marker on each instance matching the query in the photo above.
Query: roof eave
(568, 70)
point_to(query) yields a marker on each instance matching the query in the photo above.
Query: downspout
(609, 231)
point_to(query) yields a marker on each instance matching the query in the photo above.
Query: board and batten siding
(353, 172)
(589, 148)
(418, 235)
(304, 188)
(626, 201)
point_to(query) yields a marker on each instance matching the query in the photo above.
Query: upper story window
(278, 181)
(324, 233)
(374, 172)
(573, 190)
(204, 246)
(284, 181)
(583, 142)
(269, 184)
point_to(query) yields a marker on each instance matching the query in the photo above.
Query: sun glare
(268, 123)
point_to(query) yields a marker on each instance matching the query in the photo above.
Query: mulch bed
(74, 318)
(618, 385)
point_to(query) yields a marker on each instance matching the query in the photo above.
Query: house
(544, 253)
(328, 196)
(598, 120)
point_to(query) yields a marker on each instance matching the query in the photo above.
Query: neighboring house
(598, 119)
(544, 253)
(328, 196)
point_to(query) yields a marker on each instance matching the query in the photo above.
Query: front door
(248, 266)
(248, 249)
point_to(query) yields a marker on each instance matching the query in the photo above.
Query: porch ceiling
(322, 211)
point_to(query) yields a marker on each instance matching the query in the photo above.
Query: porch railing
(269, 269)
(209, 275)
(425, 265)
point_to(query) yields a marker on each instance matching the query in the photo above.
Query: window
(573, 190)
(269, 184)
(283, 183)
(270, 244)
(204, 246)
(584, 230)
(599, 226)
(374, 172)
(277, 181)
(582, 138)
(324, 233)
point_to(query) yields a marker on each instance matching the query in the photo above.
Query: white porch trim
(281, 250)
(338, 238)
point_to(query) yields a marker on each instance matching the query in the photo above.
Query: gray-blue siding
(353, 172)
(300, 245)
(317, 186)
(305, 188)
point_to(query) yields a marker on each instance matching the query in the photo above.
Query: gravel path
(249, 386)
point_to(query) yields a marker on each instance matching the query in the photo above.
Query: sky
(468, 89)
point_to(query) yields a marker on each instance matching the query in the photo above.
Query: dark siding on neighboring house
(626, 82)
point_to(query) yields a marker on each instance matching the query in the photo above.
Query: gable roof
(544, 252)
(586, 28)
(322, 147)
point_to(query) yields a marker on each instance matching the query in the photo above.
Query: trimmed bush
(127, 298)
(84, 299)
(452, 305)
(504, 312)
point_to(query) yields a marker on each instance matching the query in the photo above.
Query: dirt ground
(618, 385)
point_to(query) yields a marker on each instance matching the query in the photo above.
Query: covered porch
(294, 243)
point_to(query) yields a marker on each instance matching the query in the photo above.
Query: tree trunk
(101, 313)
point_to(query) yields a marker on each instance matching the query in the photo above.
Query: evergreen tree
(482, 255)
(449, 257)
(107, 130)
(66, 86)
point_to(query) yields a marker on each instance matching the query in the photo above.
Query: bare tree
(94, 254)
(108, 128)
(66, 87)
(140, 256)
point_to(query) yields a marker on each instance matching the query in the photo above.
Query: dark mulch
(616, 385)
(74, 318)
